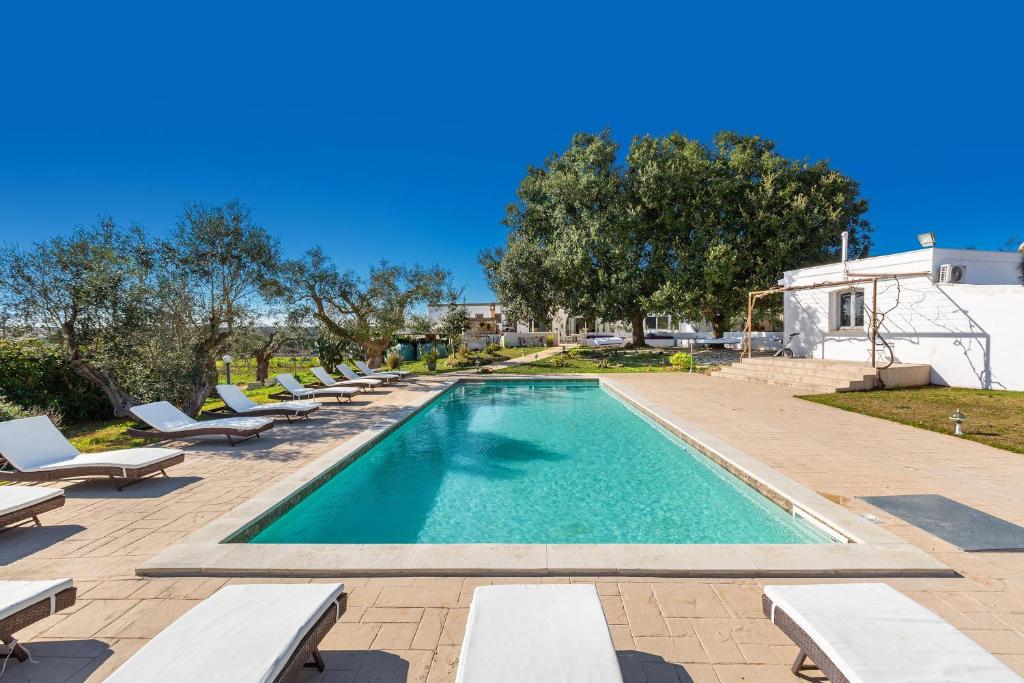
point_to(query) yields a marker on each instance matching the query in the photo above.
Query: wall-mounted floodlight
(927, 239)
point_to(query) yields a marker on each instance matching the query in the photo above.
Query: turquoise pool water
(541, 462)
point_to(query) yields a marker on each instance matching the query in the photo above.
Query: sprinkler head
(958, 418)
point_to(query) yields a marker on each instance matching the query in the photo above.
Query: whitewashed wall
(972, 335)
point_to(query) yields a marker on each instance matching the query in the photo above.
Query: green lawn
(420, 367)
(590, 361)
(243, 370)
(995, 418)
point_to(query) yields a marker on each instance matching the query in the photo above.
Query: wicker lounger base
(30, 615)
(266, 411)
(121, 477)
(235, 436)
(31, 512)
(285, 396)
(808, 648)
(308, 648)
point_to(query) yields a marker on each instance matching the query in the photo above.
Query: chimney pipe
(846, 243)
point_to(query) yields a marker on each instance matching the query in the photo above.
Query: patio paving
(410, 628)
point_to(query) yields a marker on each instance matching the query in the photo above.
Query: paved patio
(410, 628)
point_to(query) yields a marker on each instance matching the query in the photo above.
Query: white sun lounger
(34, 450)
(370, 372)
(22, 503)
(238, 402)
(872, 633)
(295, 388)
(328, 381)
(254, 633)
(170, 423)
(350, 374)
(543, 633)
(23, 603)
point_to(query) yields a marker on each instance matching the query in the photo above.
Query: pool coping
(869, 550)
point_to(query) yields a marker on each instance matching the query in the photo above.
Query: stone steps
(806, 375)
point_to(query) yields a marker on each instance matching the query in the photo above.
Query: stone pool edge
(871, 552)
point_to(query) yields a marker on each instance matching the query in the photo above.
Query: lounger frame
(288, 396)
(121, 477)
(268, 410)
(29, 615)
(809, 649)
(309, 645)
(30, 512)
(234, 435)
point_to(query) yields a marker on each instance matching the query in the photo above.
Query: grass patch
(243, 370)
(419, 367)
(104, 435)
(994, 418)
(595, 361)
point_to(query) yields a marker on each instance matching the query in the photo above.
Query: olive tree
(367, 311)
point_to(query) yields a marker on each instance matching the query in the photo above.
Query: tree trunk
(638, 329)
(262, 366)
(120, 400)
(718, 324)
(374, 351)
(202, 386)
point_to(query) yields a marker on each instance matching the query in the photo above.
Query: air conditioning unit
(951, 274)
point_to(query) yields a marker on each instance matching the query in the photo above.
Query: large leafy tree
(140, 318)
(220, 265)
(93, 290)
(575, 243)
(680, 227)
(365, 311)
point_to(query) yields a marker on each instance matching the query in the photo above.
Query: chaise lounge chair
(351, 376)
(32, 449)
(249, 633)
(238, 402)
(22, 503)
(544, 633)
(23, 603)
(370, 372)
(325, 378)
(872, 633)
(293, 387)
(168, 422)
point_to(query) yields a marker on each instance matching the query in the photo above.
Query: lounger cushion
(127, 459)
(297, 406)
(234, 398)
(14, 498)
(30, 443)
(17, 595)
(241, 633)
(354, 378)
(163, 416)
(548, 633)
(230, 423)
(875, 634)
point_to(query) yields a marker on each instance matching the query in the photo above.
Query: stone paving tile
(411, 627)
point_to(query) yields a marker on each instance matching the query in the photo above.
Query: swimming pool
(543, 462)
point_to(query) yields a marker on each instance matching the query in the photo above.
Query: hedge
(34, 374)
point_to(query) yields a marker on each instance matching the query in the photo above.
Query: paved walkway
(410, 628)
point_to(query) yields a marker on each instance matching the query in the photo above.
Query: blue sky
(403, 131)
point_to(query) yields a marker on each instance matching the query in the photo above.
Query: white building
(488, 324)
(960, 311)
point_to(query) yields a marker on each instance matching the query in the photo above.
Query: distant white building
(489, 325)
(960, 311)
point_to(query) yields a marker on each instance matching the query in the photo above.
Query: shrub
(549, 340)
(12, 411)
(34, 376)
(430, 358)
(560, 361)
(492, 350)
(394, 360)
(682, 361)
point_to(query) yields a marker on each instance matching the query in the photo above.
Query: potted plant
(430, 357)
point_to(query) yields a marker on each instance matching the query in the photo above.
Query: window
(850, 307)
(657, 322)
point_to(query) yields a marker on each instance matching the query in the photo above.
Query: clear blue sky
(404, 131)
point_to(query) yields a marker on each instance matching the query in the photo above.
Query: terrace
(409, 625)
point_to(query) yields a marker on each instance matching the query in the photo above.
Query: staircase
(807, 375)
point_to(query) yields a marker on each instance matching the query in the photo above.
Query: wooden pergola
(862, 278)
